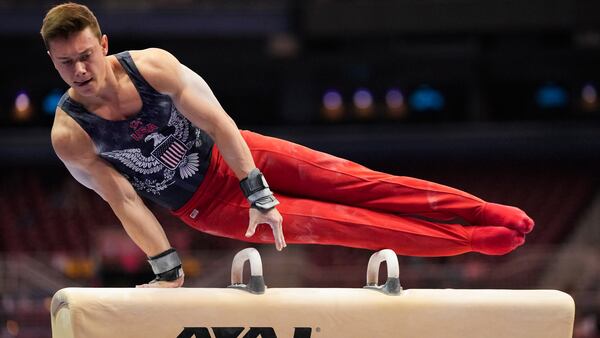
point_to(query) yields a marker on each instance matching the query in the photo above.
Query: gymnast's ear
(104, 44)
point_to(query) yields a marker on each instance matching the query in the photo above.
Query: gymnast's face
(80, 60)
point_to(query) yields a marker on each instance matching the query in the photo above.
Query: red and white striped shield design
(170, 152)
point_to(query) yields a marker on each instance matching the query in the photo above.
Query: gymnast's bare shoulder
(70, 142)
(160, 68)
(167, 75)
(75, 149)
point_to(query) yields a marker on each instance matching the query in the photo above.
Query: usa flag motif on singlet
(170, 152)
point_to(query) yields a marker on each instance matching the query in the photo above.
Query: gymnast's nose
(80, 69)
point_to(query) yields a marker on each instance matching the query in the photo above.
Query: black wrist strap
(257, 191)
(170, 275)
(166, 265)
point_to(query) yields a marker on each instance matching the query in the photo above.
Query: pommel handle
(256, 284)
(392, 285)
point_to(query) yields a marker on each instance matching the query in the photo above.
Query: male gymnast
(140, 124)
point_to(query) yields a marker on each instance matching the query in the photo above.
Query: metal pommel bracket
(392, 285)
(256, 284)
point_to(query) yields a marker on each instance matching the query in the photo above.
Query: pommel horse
(254, 311)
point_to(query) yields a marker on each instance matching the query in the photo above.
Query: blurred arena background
(496, 97)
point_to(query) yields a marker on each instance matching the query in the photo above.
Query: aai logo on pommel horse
(234, 332)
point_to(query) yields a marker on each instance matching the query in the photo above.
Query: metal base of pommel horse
(254, 311)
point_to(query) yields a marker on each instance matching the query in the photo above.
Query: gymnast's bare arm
(77, 151)
(194, 99)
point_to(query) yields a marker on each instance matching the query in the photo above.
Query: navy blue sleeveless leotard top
(158, 150)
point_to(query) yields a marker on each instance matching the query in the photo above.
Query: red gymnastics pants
(329, 200)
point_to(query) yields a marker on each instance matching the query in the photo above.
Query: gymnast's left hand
(164, 284)
(273, 219)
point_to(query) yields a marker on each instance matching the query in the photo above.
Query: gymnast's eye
(67, 62)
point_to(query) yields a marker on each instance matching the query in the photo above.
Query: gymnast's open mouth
(83, 83)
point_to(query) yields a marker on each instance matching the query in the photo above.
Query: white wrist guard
(257, 191)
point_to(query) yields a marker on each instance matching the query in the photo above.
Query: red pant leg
(299, 171)
(219, 208)
(296, 170)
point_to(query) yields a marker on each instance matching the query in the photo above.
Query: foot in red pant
(493, 240)
(506, 216)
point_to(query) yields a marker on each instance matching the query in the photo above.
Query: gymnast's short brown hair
(63, 20)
